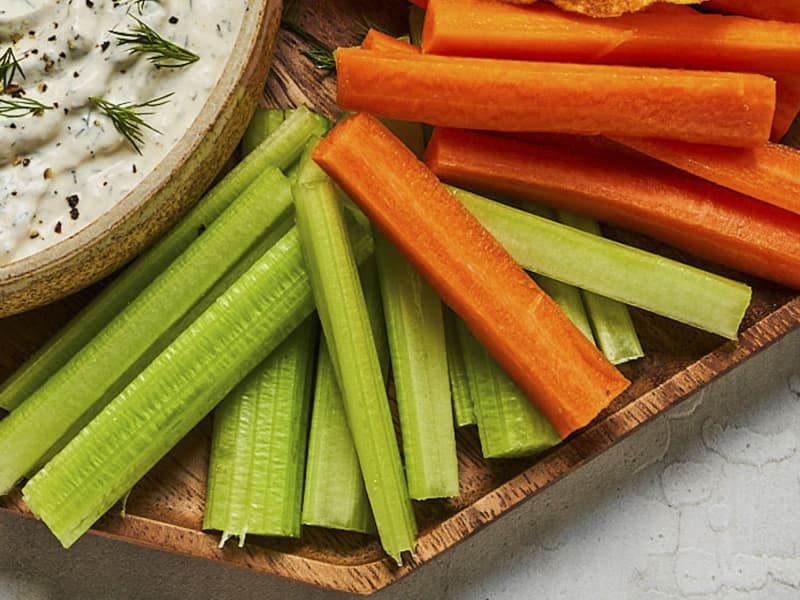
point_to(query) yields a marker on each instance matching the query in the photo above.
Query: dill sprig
(128, 118)
(15, 108)
(9, 67)
(162, 53)
(317, 51)
(139, 4)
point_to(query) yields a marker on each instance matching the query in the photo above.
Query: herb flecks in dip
(62, 168)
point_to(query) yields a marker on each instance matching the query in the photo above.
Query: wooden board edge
(367, 578)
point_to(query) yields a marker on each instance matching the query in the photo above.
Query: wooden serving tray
(165, 509)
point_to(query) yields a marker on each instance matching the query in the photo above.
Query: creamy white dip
(62, 169)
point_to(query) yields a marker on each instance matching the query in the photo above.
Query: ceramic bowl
(179, 180)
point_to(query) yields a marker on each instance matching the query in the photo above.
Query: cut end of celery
(64, 531)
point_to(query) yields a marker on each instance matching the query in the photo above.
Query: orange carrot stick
(788, 102)
(679, 38)
(732, 109)
(377, 40)
(770, 173)
(618, 186)
(779, 10)
(523, 329)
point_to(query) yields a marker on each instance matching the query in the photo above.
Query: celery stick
(334, 494)
(258, 446)
(96, 373)
(275, 233)
(611, 320)
(608, 268)
(569, 298)
(509, 425)
(419, 363)
(177, 389)
(463, 409)
(280, 150)
(345, 322)
(264, 122)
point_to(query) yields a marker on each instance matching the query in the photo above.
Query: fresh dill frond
(15, 108)
(139, 4)
(321, 56)
(128, 117)
(9, 68)
(318, 52)
(161, 52)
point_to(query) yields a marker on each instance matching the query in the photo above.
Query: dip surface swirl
(63, 168)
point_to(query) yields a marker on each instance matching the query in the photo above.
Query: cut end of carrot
(377, 40)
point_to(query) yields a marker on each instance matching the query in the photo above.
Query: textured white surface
(702, 503)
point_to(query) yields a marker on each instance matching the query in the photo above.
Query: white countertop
(701, 503)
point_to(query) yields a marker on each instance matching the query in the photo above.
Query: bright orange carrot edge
(676, 38)
(524, 330)
(613, 184)
(377, 40)
(733, 109)
(770, 173)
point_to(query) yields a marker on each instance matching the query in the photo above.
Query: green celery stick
(334, 494)
(275, 233)
(177, 389)
(608, 268)
(568, 297)
(258, 446)
(509, 425)
(98, 372)
(463, 409)
(263, 123)
(419, 363)
(345, 323)
(611, 320)
(280, 150)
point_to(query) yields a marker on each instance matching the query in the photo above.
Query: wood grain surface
(165, 509)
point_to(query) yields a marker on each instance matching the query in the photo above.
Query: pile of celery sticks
(221, 313)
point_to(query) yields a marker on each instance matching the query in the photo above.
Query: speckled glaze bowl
(180, 179)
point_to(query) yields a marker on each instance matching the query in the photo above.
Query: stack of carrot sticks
(665, 122)
(688, 98)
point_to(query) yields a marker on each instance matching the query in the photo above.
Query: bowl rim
(235, 70)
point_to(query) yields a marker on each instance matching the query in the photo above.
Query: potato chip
(605, 8)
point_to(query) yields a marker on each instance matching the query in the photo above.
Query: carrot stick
(788, 101)
(682, 37)
(665, 35)
(787, 106)
(779, 10)
(377, 40)
(523, 329)
(770, 173)
(620, 187)
(730, 109)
